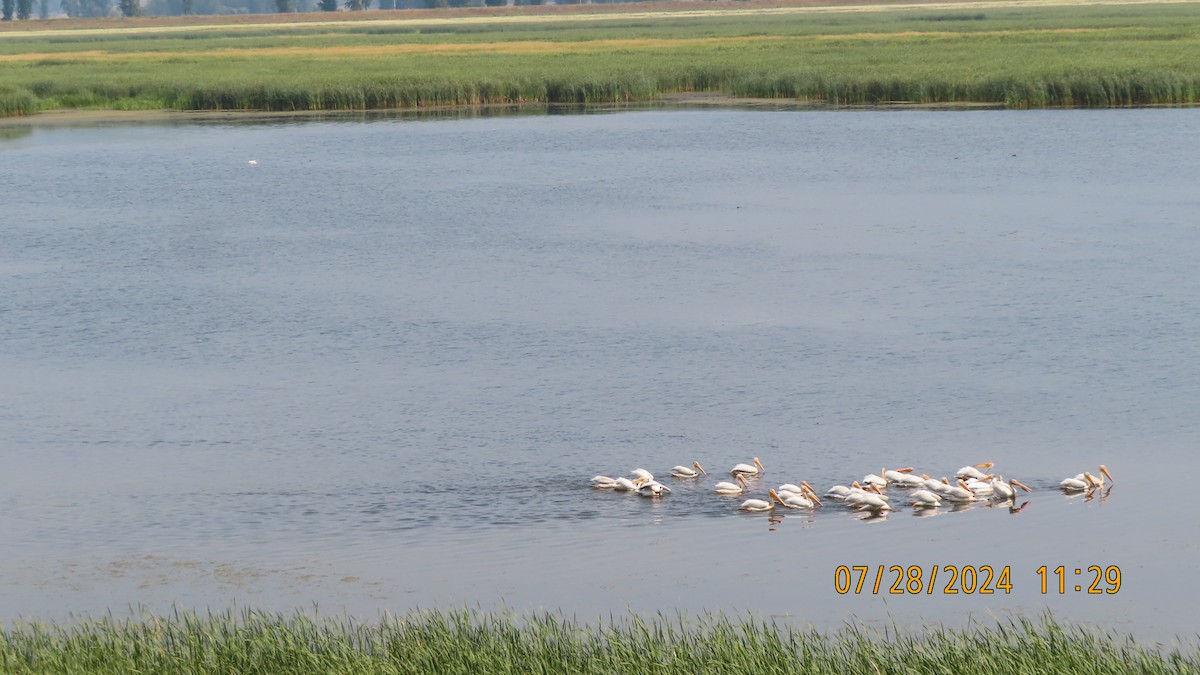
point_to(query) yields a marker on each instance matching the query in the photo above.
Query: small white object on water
(253, 162)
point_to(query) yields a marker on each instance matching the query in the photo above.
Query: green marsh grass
(469, 641)
(1019, 57)
(17, 101)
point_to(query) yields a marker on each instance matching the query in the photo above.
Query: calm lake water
(376, 369)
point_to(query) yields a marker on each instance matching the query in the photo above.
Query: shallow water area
(376, 369)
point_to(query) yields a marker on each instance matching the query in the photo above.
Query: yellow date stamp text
(918, 579)
(970, 579)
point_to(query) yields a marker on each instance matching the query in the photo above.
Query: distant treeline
(44, 9)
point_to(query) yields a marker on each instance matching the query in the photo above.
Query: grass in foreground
(466, 641)
(1019, 57)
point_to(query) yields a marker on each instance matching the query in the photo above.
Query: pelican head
(774, 495)
(1104, 470)
(699, 468)
(810, 493)
(1016, 483)
(759, 465)
(653, 489)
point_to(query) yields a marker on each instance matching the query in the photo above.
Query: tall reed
(470, 641)
(14, 102)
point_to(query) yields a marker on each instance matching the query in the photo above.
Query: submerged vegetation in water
(465, 641)
(1029, 56)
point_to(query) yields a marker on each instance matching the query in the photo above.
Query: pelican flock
(872, 496)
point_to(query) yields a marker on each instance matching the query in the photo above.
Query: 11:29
(1104, 579)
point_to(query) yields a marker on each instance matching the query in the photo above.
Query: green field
(1010, 54)
(472, 642)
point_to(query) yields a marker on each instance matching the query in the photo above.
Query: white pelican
(603, 482)
(980, 487)
(804, 500)
(756, 505)
(1099, 480)
(1007, 489)
(838, 492)
(692, 471)
(973, 471)
(924, 499)
(868, 501)
(623, 484)
(1088, 482)
(902, 477)
(873, 490)
(796, 489)
(1074, 484)
(871, 479)
(934, 485)
(728, 488)
(748, 469)
(642, 476)
(653, 489)
(959, 494)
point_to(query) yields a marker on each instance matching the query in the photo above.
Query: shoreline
(73, 117)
